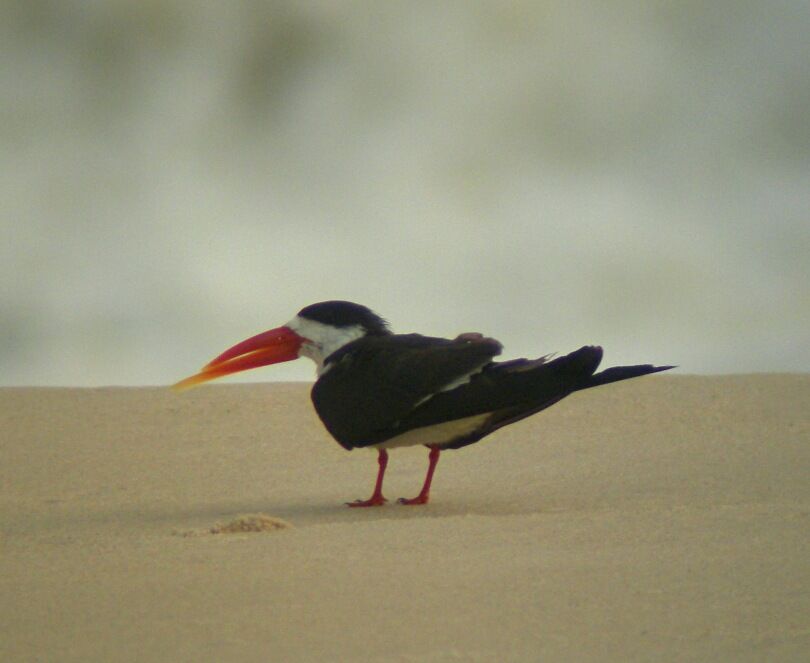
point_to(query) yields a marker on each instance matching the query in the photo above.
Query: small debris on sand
(255, 522)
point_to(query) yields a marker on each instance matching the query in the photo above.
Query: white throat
(322, 340)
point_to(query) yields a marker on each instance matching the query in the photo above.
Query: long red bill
(270, 347)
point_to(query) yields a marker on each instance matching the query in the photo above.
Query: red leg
(376, 498)
(424, 494)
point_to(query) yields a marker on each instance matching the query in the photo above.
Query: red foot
(419, 499)
(424, 494)
(374, 500)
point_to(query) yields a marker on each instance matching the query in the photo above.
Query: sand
(662, 519)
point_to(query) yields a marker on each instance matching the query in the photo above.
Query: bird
(380, 390)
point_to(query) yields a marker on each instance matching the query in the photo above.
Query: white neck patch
(322, 340)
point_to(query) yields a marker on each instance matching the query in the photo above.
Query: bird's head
(316, 332)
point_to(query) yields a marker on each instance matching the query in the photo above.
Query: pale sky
(177, 177)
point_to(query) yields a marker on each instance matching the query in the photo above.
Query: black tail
(620, 373)
(572, 372)
(513, 390)
(548, 382)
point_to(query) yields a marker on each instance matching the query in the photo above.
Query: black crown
(338, 313)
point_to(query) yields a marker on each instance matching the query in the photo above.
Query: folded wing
(369, 387)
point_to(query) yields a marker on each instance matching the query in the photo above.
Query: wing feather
(375, 382)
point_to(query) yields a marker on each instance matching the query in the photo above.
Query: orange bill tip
(271, 347)
(192, 381)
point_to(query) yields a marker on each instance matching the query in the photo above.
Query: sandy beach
(662, 519)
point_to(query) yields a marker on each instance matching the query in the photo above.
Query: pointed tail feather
(620, 373)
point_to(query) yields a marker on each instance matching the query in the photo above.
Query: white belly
(436, 434)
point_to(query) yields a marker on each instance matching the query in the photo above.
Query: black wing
(510, 391)
(372, 384)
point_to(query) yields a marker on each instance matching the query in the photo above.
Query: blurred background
(176, 176)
